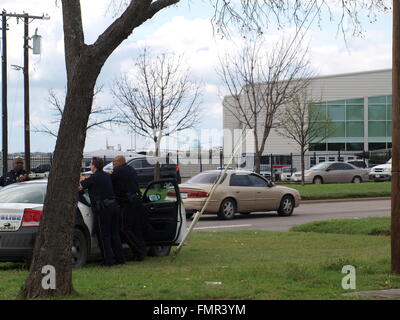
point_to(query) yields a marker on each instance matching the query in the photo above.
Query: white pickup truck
(382, 172)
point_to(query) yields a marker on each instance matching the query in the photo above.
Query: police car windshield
(28, 193)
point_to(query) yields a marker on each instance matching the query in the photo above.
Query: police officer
(106, 212)
(127, 192)
(18, 174)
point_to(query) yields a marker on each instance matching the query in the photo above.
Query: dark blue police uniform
(11, 177)
(127, 192)
(106, 212)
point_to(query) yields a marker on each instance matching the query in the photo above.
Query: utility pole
(26, 96)
(26, 17)
(4, 92)
(395, 234)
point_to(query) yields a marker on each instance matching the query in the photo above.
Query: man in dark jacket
(18, 174)
(127, 192)
(106, 212)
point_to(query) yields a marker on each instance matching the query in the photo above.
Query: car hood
(383, 166)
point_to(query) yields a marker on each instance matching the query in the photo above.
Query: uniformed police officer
(127, 192)
(17, 174)
(106, 212)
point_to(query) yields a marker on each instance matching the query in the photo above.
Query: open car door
(165, 214)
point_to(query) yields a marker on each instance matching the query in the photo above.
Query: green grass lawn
(343, 191)
(365, 226)
(249, 265)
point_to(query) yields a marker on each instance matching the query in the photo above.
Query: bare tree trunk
(157, 167)
(303, 182)
(395, 228)
(57, 220)
(258, 162)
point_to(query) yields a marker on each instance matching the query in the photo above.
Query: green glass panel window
(377, 112)
(380, 100)
(317, 111)
(355, 129)
(337, 129)
(389, 99)
(377, 129)
(389, 128)
(355, 101)
(336, 113)
(355, 113)
(389, 112)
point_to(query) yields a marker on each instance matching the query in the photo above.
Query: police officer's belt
(105, 203)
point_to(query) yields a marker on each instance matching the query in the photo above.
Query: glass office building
(357, 124)
(359, 106)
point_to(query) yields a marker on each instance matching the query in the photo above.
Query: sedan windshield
(29, 193)
(321, 166)
(205, 178)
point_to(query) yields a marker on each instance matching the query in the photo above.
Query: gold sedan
(239, 192)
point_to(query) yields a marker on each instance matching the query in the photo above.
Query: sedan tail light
(189, 194)
(195, 194)
(31, 218)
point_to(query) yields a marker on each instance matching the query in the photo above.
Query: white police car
(21, 207)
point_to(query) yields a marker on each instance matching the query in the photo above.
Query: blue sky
(183, 29)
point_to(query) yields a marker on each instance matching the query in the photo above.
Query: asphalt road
(303, 214)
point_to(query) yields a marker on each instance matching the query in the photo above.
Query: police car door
(165, 214)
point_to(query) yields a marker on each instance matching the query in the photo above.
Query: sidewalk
(344, 200)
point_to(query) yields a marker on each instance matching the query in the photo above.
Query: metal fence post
(291, 163)
(272, 169)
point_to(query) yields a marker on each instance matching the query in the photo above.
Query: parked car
(21, 208)
(265, 171)
(287, 174)
(239, 192)
(382, 172)
(358, 163)
(42, 168)
(332, 172)
(144, 166)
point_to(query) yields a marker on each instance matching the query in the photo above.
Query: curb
(343, 200)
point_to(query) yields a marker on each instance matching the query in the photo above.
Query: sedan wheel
(317, 180)
(227, 209)
(159, 251)
(287, 206)
(79, 249)
(357, 180)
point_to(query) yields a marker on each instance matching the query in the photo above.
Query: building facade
(359, 106)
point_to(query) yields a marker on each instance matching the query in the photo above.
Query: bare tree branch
(160, 100)
(250, 15)
(260, 82)
(99, 117)
(303, 122)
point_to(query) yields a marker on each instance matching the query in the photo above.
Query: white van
(382, 172)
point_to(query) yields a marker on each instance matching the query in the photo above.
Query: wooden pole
(26, 96)
(4, 94)
(395, 234)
